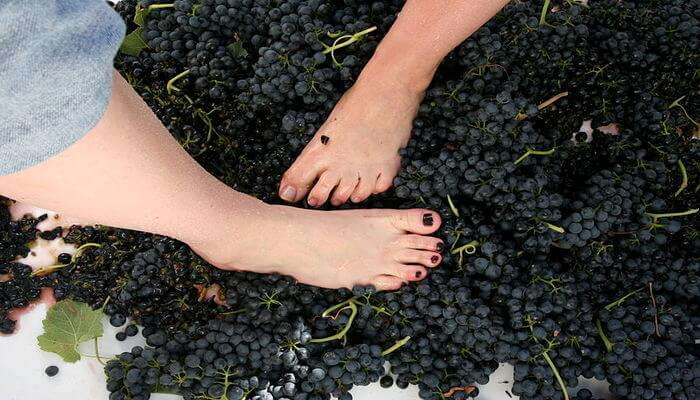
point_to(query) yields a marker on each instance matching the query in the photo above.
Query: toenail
(418, 274)
(324, 139)
(289, 193)
(434, 259)
(428, 219)
(440, 246)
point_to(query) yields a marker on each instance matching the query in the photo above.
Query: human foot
(355, 153)
(334, 249)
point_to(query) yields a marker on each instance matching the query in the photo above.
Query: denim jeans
(56, 71)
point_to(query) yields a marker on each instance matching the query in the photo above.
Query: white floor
(22, 363)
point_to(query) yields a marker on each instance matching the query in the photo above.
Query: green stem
(621, 300)
(454, 209)
(80, 250)
(350, 40)
(170, 86)
(674, 214)
(48, 270)
(469, 248)
(601, 332)
(677, 103)
(341, 334)
(396, 346)
(684, 178)
(543, 14)
(555, 371)
(531, 152)
(242, 310)
(159, 6)
(553, 227)
(97, 353)
(329, 310)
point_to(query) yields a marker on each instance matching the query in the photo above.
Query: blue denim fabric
(56, 71)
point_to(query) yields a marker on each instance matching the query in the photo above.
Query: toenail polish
(440, 246)
(418, 274)
(324, 139)
(428, 219)
(289, 193)
(434, 259)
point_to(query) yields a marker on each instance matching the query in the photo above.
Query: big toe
(418, 220)
(387, 282)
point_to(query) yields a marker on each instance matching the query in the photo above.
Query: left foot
(356, 151)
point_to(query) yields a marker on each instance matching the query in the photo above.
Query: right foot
(335, 249)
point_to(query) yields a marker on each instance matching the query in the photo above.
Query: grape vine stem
(555, 371)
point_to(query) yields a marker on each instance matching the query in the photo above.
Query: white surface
(22, 363)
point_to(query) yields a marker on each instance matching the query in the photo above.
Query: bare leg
(129, 172)
(373, 120)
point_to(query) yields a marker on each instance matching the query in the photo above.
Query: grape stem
(673, 214)
(601, 332)
(396, 346)
(622, 299)
(78, 252)
(170, 86)
(344, 41)
(553, 227)
(555, 371)
(677, 103)
(531, 152)
(350, 304)
(552, 100)
(543, 14)
(684, 178)
(469, 248)
(656, 312)
(454, 209)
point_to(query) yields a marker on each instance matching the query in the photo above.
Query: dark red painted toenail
(428, 219)
(434, 259)
(440, 246)
(418, 274)
(325, 139)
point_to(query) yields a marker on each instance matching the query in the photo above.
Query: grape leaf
(133, 43)
(141, 14)
(236, 50)
(67, 324)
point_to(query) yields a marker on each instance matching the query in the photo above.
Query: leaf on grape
(141, 14)
(67, 324)
(236, 50)
(133, 43)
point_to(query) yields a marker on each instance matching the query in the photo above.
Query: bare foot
(355, 153)
(335, 249)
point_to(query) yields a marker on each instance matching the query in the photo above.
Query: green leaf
(67, 324)
(236, 50)
(141, 14)
(133, 43)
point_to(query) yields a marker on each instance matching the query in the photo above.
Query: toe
(412, 273)
(344, 189)
(365, 187)
(418, 220)
(420, 242)
(387, 282)
(384, 182)
(323, 188)
(298, 179)
(428, 259)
